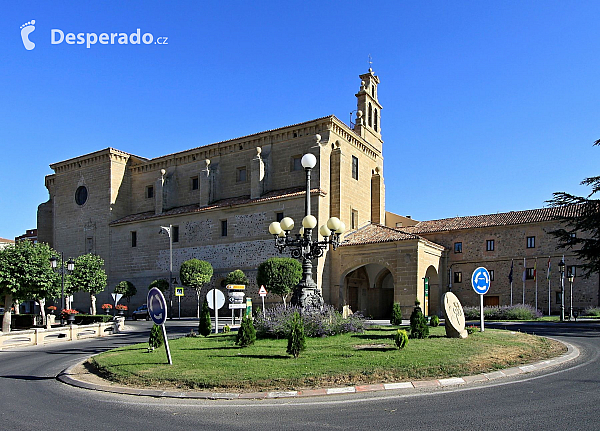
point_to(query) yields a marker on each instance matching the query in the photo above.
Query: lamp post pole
(70, 267)
(306, 293)
(571, 276)
(169, 231)
(561, 268)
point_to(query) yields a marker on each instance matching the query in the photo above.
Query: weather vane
(370, 61)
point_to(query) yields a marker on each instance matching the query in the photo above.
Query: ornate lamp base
(310, 297)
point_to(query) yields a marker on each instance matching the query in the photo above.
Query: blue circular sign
(157, 306)
(481, 280)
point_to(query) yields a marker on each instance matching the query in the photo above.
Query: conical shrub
(296, 338)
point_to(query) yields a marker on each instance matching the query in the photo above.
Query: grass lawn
(216, 363)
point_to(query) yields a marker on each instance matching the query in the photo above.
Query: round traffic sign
(480, 280)
(220, 298)
(157, 306)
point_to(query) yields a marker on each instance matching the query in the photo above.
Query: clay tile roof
(500, 219)
(277, 194)
(4, 240)
(376, 233)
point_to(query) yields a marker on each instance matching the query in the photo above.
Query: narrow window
(133, 238)
(531, 242)
(489, 245)
(175, 233)
(571, 270)
(89, 244)
(491, 271)
(223, 227)
(573, 238)
(370, 113)
(279, 216)
(354, 219)
(375, 119)
(458, 247)
(558, 298)
(149, 192)
(529, 274)
(355, 167)
(241, 175)
(194, 183)
(296, 163)
(458, 277)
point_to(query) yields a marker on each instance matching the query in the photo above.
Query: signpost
(236, 299)
(157, 309)
(179, 294)
(216, 300)
(480, 280)
(263, 292)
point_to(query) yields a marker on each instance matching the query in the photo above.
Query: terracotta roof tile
(376, 233)
(489, 220)
(277, 194)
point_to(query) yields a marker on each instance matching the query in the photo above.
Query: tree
(246, 335)
(279, 275)
(127, 289)
(296, 337)
(196, 273)
(583, 218)
(89, 276)
(396, 318)
(161, 284)
(156, 337)
(25, 273)
(236, 277)
(205, 325)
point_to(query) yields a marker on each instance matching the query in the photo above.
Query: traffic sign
(237, 306)
(179, 291)
(236, 287)
(157, 306)
(215, 294)
(262, 291)
(480, 280)
(116, 296)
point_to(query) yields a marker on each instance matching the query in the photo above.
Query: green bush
(418, 324)
(205, 325)
(434, 321)
(592, 311)
(396, 318)
(296, 338)
(246, 335)
(520, 313)
(471, 329)
(226, 329)
(156, 337)
(401, 338)
(86, 319)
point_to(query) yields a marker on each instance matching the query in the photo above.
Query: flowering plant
(121, 307)
(106, 306)
(70, 311)
(51, 308)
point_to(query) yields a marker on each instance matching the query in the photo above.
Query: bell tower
(368, 115)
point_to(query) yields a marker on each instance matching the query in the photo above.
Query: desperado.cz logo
(58, 36)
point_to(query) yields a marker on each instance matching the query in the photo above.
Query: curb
(66, 376)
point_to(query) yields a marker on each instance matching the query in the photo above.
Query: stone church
(219, 200)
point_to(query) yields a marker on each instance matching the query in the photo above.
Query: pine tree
(396, 318)
(296, 338)
(246, 335)
(205, 325)
(418, 323)
(156, 337)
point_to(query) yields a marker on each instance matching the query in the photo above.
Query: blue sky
(488, 106)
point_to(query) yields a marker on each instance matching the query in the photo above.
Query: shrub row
(277, 322)
(505, 312)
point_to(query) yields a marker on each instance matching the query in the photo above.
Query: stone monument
(455, 318)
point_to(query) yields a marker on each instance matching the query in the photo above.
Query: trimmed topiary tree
(418, 323)
(396, 318)
(434, 321)
(246, 335)
(156, 337)
(196, 273)
(296, 338)
(205, 325)
(401, 338)
(279, 275)
(127, 289)
(161, 284)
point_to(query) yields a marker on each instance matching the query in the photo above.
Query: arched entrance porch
(370, 290)
(432, 299)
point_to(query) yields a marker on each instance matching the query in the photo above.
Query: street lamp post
(169, 230)
(571, 277)
(70, 267)
(561, 269)
(306, 293)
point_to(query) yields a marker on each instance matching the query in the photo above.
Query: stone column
(335, 181)
(204, 178)
(257, 175)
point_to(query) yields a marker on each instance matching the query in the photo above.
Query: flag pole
(549, 295)
(536, 283)
(524, 276)
(510, 277)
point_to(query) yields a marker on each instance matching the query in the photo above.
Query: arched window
(370, 113)
(375, 119)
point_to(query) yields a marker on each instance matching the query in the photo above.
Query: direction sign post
(157, 309)
(235, 291)
(480, 280)
(179, 294)
(216, 300)
(263, 292)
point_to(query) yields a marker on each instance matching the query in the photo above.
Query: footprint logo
(26, 30)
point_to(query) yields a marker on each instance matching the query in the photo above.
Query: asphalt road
(564, 397)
